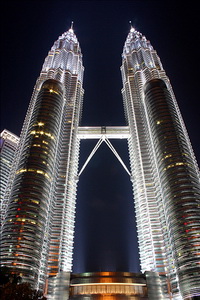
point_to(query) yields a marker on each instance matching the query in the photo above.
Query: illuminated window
(33, 170)
(53, 91)
(40, 124)
(34, 132)
(21, 171)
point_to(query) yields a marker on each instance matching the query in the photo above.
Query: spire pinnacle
(132, 28)
(71, 28)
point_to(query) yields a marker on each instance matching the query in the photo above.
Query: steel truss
(103, 134)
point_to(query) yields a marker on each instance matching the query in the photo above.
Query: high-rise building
(8, 146)
(164, 172)
(38, 228)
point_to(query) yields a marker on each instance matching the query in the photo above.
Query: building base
(115, 285)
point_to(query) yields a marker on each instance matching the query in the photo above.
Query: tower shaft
(40, 200)
(164, 171)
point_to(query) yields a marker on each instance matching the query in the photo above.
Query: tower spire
(72, 25)
(132, 28)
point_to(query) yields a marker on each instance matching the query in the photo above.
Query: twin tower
(39, 214)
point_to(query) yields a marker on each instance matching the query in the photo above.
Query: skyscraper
(164, 171)
(8, 146)
(38, 229)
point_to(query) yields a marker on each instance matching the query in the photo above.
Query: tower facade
(38, 228)
(165, 174)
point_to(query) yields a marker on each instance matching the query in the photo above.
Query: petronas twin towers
(39, 205)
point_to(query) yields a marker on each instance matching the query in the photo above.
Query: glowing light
(109, 283)
(40, 124)
(35, 171)
(52, 91)
(42, 133)
(21, 171)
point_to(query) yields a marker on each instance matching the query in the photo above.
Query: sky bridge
(104, 134)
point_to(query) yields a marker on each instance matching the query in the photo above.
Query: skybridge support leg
(117, 155)
(100, 141)
(96, 147)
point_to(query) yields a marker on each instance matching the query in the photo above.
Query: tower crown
(67, 40)
(134, 41)
(65, 54)
(139, 54)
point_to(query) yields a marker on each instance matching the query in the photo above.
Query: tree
(22, 291)
(11, 287)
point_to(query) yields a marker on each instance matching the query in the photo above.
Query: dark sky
(105, 236)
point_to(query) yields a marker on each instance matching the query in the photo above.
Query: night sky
(105, 237)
